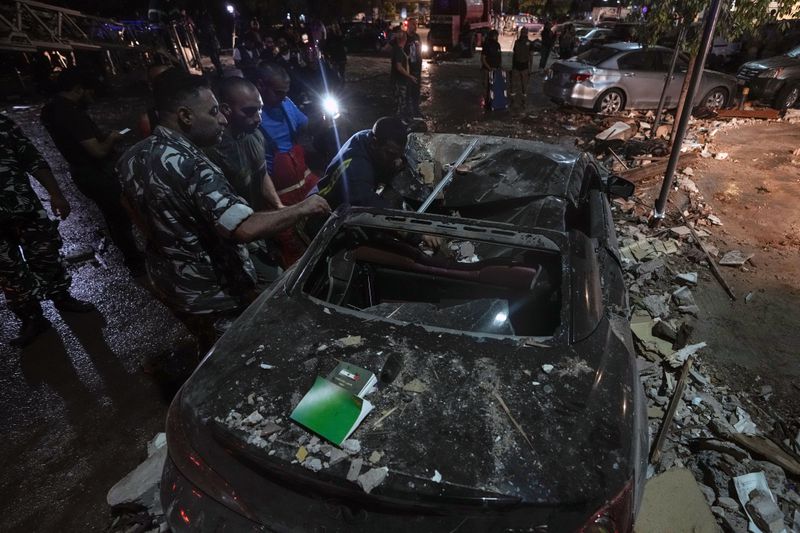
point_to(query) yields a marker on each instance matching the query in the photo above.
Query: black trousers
(102, 187)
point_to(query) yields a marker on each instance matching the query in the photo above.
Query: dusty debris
(351, 446)
(618, 131)
(301, 454)
(375, 457)
(688, 277)
(678, 358)
(735, 258)
(547, 368)
(437, 477)
(667, 493)
(350, 340)
(355, 469)
(372, 478)
(140, 488)
(416, 386)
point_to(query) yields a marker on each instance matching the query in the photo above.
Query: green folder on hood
(330, 411)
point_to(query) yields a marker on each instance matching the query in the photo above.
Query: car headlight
(331, 106)
(425, 48)
(771, 73)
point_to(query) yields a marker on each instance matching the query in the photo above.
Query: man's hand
(413, 80)
(314, 205)
(432, 241)
(60, 206)
(114, 137)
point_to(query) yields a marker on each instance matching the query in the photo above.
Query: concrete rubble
(715, 434)
(136, 498)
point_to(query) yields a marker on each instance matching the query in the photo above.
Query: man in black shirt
(90, 155)
(401, 78)
(548, 39)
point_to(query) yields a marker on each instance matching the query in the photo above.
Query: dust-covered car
(508, 397)
(620, 76)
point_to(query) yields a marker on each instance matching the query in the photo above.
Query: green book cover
(330, 411)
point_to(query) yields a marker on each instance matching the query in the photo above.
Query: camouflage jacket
(18, 158)
(189, 210)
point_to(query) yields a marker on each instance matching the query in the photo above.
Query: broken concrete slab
(656, 305)
(372, 478)
(355, 469)
(140, 487)
(683, 297)
(157, 442)
(687, 277)
(678, 358)
(619, 131)
(735, 258)
(665, 494)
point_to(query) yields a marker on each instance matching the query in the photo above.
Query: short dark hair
(172, 87)
(228, 87)
(390, 129)
(267, 72)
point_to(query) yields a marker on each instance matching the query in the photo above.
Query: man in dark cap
(90, 154)
(369, 159)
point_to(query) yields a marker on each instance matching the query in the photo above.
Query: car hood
(457, 408)
(773, 62)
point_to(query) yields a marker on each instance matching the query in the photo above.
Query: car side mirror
(619, 187)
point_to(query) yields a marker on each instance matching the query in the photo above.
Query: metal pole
(448, 177)
(668, 81)
(694, 84)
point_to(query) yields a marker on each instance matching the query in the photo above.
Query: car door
(642, 77)
(675, 84)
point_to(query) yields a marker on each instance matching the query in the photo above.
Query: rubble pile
(721, 437)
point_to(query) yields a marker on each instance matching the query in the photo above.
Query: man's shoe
(30, 329)
(69, 304)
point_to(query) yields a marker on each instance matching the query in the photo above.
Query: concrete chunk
(765, 512)
(140, 487)
(372, 478)
(673, 502)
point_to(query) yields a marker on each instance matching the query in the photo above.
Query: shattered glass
(487, 315)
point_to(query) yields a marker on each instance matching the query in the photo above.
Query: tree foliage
(737, 18)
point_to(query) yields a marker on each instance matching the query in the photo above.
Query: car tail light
(614, 517)
(192, 466)
(581, 76)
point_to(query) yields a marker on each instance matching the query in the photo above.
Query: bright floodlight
(330, 106)
(229, 8)
(501, 317)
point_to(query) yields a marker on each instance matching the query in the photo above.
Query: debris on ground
(136, 498)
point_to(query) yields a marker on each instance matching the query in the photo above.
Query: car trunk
(448, 411)
(564, 70)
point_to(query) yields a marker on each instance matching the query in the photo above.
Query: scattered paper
(745, 424)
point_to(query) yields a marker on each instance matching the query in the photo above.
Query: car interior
(467, 286)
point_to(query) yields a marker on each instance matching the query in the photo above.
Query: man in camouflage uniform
(195, 224)
(24, 225)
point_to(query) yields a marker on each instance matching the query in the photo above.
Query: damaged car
(507, 394)
(623, 75)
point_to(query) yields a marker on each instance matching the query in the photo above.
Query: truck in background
(455, 23)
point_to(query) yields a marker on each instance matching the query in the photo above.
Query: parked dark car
(621, 76)
(528, 319)
(775, 80)
(364, 37)
(594, 37)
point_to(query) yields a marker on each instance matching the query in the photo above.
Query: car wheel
(788, 97)
(610, 102)
(715, 99)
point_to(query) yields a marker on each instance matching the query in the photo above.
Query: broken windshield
(467, 285)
